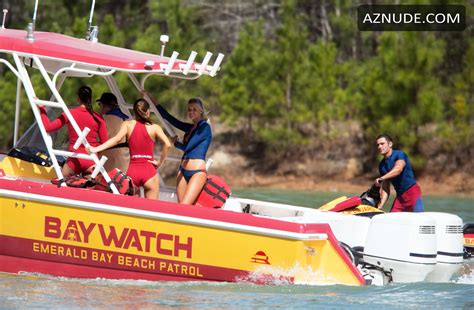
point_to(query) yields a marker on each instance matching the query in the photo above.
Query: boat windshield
(32, 137)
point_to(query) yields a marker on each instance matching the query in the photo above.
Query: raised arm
(165, 114)
(174, 121)
(52, 125)
(112, 141)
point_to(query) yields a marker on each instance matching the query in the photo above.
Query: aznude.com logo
(411, 17)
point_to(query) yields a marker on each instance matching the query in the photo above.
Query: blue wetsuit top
(406, 178)
(196, 142)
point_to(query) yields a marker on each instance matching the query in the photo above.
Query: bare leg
(152, 188)
(136, 191)
(67, 171)
(194, 187)
(87, 173)
(181, 186)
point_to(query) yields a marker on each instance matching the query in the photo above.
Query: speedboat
(86, 233)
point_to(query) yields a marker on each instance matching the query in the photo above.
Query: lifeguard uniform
(408, 191)
(96, 136)
(141, 151)
(195, 143)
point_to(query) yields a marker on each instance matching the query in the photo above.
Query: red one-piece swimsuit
(141, 151)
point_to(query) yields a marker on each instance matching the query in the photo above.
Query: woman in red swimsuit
(85, 117)
(141, 135)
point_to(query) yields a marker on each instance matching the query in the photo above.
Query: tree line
(298, 74)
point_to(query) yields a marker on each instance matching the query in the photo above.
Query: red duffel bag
(214, 193)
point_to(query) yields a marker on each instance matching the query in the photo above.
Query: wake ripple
(467, 274)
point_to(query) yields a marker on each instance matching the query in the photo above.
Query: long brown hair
(140, 107)
(85, 96)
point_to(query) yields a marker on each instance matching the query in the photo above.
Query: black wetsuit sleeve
(173, 121)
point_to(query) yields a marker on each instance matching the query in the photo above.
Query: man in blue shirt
(395, 168)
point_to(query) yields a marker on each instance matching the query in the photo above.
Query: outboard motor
(402, 243)
(449, 240)
(468, 231)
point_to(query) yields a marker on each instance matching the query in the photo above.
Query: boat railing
(72, 68)
(113, 86)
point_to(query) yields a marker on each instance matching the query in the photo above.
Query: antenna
(5, 11)
(93, 35)
(164, 39)
(89, 23)
(34, 15)
(30, 30)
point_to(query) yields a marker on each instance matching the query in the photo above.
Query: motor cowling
(449, 241)
(403, 244)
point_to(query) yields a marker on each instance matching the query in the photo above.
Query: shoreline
(429, 187)
(331, 176)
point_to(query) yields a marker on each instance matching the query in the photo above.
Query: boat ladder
(35, 102)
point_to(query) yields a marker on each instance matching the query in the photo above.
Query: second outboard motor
(468, 231)
(449, 239)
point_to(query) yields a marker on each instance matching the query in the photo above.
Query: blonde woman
(192, 173)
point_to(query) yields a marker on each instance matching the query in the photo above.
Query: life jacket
(214, 193)
(74, 181)
(122, 182)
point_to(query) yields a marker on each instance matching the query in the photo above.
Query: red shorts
(141, 172)
(409, 201)
(79, 165)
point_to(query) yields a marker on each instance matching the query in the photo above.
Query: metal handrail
(74, 69)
